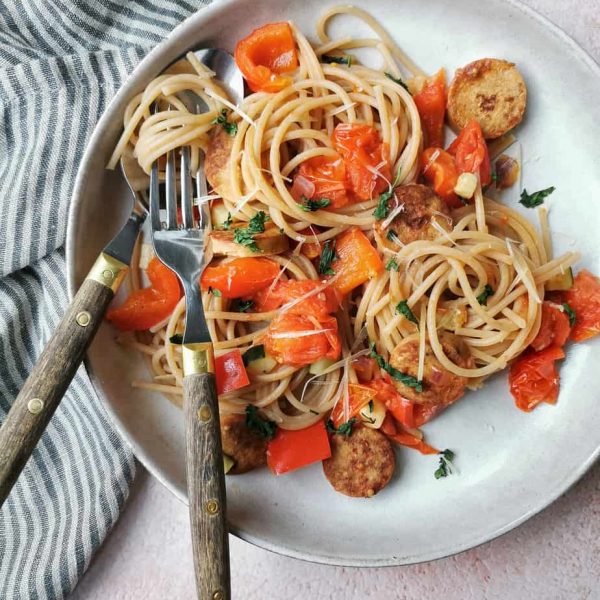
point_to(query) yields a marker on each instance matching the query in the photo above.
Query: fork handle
(206, 487)
(49, 379)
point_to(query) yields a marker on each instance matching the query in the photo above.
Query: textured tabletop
(555, 555)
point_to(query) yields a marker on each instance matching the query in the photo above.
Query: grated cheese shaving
(393, 215)
(285, 335)
(230, 105)
(524, 272)
(422, 338)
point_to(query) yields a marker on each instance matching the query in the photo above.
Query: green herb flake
(245, 235)
(407, 380)
(344, 429)
(329, 59)
(535, 199)
(328, 255)
(488, 291)
(445, 467)
(176, 339)
(243, 305)
(230, 128)
(308, 205)
(253, 353)
(403, 309)
(383, 208)
(396, 80)
(227, 222)
(392, 265)
(216, 293)
(262, 427)
(570, 313)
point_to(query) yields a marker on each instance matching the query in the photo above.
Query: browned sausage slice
(440, 386)
(361, 464)
(490, 90)
(216, 163)
(247, 449)
(421, 208)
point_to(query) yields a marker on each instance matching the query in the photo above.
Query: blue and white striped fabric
(61, 61)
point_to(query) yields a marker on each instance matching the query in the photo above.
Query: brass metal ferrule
(108, 271)
(198, 358)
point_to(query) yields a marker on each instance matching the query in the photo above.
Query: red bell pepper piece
(230, 372)
(290, 450)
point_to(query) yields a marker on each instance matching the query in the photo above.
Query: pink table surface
(554, 556)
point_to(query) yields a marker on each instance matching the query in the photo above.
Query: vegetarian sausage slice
(423, 213)
(490, 90)
(440, 386)
(246, 448)
(361, 464)
(216, 163)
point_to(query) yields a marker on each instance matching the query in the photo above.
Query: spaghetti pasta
(474, 278)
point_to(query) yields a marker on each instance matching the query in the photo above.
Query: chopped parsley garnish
(445, 466)
(397, 80)
(337, 60)
(344, 429)
(570, 313)
(243, 305)
(535, 199)
(403, 309)
(308, 205)
(262, 427)
(494, 176)
(176, 339)
(328, 255)
(227, 222)
(383, 209)
(245, 235)
(253, 353)
(230, 128)
(391, 265)
(407, 380)
(215, 293)
(488, 291)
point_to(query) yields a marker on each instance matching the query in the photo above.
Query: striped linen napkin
(61, 62)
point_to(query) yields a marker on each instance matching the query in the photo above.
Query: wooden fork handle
(206, 487)
(49, 379)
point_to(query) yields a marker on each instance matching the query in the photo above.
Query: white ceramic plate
(511, 464)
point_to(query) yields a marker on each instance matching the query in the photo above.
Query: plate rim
(74, 213)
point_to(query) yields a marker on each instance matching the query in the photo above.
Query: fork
(181, 248)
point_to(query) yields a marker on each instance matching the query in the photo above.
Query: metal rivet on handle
(218, 595)
(212, 507)
(108, 276)
(35, 406)
(83, 318)
(205, 413)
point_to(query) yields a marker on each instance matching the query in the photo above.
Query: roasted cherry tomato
(439, 168)
(368, 170)
(147, 307)
(265, 55)
(584, 299)
(471, 152)
(299, 340)
(358, 396)
(534, 378)
(431, 104)
(321, 177)
(319, 304)
(554, 329)
(240, 276)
